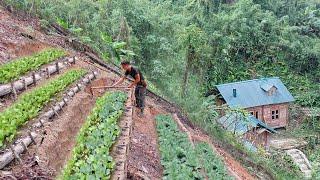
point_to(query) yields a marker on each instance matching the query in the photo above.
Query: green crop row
(91, 158)
(180, 159)
(30, 104)
(19, 67)
(212, 164)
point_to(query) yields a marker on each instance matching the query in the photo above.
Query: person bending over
(139, 83)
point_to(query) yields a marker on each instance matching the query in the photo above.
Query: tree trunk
(190, 55)
(124, 33)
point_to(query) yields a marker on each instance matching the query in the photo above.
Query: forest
(187, 47)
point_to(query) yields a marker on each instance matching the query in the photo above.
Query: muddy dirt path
(60, 139)
(144, 156)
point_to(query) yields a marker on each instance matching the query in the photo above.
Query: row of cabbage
(31, 103)
(90, 158)
(19, 67)
(183, 161)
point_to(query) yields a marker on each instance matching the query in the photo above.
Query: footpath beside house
(266, 99)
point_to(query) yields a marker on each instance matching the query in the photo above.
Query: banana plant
(116, 49)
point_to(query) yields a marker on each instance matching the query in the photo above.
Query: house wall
(265, 114)
(255, 110)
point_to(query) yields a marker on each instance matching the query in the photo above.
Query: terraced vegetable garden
(91, 158)
(29, 105)
(73, 133)
(183, 161)
(16, 68)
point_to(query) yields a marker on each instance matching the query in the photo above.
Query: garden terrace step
(91, 158)
(16, 150)
(28, 80)
(19, 147)
(46, 117)
(19, 67)
(121, 147)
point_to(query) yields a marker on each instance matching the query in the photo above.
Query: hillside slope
(21, 36)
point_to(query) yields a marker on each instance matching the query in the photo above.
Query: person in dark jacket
(139, 83)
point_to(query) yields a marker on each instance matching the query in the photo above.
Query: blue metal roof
(254, 93)
(251, 147)
(240, 124)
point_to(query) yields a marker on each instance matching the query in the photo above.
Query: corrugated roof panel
(240, 124)
(251, 147)
(250, 94)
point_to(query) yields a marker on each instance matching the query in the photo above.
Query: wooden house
(266, 99)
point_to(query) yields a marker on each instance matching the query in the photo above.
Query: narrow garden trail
(144, 157)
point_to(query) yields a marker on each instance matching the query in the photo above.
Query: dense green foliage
(30, 104)
(16, 68)
(180, 159)
(199, 43)
(91, 158)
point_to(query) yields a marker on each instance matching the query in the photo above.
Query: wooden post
(24, 146)
(79, 87)
(15, 154)
(14, 91)
(41, 123)
(48, 72)
(34, 78)
(24, 84)
(91, 92)
(74, 60)
(31, 137)
(64, 100)
(60, 106)
(55, 112)
(57, 67)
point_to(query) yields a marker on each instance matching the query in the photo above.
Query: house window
(254, 113)
(275, 114)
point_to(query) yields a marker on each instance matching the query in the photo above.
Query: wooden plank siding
(258, 139)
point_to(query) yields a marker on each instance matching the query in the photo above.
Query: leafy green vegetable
(91, 158)
(30, 104)
(212, 164)
(180, 159)
(14, 69)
